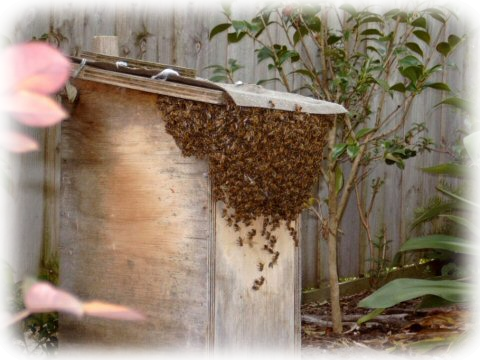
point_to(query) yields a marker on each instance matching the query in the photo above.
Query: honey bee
(240, 241)
(268, 249)
(258, 282)
(260, 266)
(224, 213)
(273, 240)
(274, 259)
(251, 234)
(236, 227)
(271, 103)
(298, 108)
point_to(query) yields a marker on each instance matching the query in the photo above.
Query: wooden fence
(179, 36)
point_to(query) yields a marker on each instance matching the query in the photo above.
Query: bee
(260, 266)
(271, 103)
(298, 108)
(258, 282)
(267, 235)
(224, 213)
(268, 249)
(229, 221)
(251, 234)
(236, 227)
(274, 259)
(273, 240)
(240, 241)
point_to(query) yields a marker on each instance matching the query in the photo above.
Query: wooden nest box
(140, 225)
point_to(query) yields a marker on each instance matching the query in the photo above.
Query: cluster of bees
(262, 162)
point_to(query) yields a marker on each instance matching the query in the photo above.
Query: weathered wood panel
(134, 222)
(251, 320)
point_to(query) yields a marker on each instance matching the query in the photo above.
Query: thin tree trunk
(332, 234)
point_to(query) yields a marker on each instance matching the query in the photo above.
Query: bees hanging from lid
(262, 161)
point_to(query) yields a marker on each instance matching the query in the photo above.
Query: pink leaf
(44, 297)
(34, 109)
(16, 142)
(36, 67)
(111, 311)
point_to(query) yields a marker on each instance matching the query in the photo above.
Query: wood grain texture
(134, 223)
(68, 24)
(152, 86)
(138, 27)
(247, 320)
(107, 45)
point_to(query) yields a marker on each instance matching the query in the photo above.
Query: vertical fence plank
(137, 25)
(99, 20)
(67, 27)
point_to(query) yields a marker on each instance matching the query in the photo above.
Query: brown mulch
(404, 328)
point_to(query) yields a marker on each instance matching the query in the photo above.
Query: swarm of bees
(262, 162)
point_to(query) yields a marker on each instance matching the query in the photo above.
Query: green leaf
(338, 150)
(264, 53)
(400, 87)
(363, 132)
(444, 48)
(450, 169)
(464, 222)
(456, 102)
(439, 241)
(299, 34)
(436, 211)
(438, 86)
(218, 29)
(371, 315)
(219, 78)
(4, 41)
(408, 61)
(454, 40)
(371, 18)
(332, 39)
(414, 47)
(428, 346)
(472, 145)
(352, 151)
(422, 35)
(400, 290)
(436, 14)
(349, 9)
(457, 197)
(372, 32)
(338, 179)
(264, 81)
(420, 22)
(235, 37)
(304, 72)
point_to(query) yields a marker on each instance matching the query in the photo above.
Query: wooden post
(106, 45)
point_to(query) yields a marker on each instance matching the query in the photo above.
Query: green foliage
(41, 328)
(225, 74)
(399, 290)
(435, 292)
(344, 73)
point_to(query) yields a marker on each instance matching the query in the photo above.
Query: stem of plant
(332, 235)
